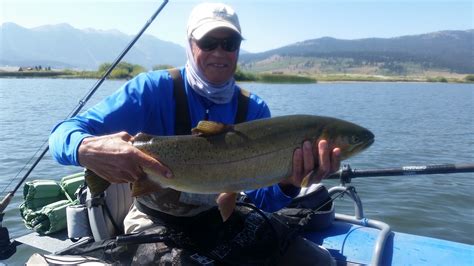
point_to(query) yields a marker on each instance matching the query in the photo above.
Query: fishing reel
(344, 174)
(7, 248)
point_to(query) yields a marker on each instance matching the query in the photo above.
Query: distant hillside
(62, 46)
(451, 51)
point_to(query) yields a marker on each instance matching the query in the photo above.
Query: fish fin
(142, 137)
(226, 204)
(145, 186)
(95, 183)
(209, 128)
(306, 182)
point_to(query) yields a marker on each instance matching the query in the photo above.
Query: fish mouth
(365, 145)
(369, 143)
(360, 147)
(369, 140)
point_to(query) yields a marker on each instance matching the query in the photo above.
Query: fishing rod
(8, 248)
(347, 173)
(4, 203)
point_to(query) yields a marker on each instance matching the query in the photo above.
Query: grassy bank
(378, 78)
(272, 78)
(50, 74)
(127, 71)
(121, 74)
(32, 74)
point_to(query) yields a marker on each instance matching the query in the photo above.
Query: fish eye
(355, 139)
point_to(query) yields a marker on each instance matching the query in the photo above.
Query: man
(99, 139)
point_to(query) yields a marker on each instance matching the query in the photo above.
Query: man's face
(218, 65)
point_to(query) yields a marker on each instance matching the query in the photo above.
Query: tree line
(125, 70)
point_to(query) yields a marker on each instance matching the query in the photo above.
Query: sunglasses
(229, 44)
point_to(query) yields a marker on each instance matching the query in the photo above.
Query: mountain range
(63, 46)
(451, 51)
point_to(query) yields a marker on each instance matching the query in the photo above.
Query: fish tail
(95, 183)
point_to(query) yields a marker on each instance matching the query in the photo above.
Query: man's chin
(219, 77)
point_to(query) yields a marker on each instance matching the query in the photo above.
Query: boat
(351, 239)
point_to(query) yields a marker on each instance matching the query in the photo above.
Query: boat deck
(355, 243)
(348, 243)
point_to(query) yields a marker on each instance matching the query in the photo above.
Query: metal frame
(359, 219)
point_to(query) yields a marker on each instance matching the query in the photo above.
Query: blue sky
(265, 24)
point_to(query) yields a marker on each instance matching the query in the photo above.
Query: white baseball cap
(206, 17)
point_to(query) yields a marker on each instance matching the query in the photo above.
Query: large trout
(245, 156)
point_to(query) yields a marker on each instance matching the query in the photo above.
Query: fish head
(349, 137)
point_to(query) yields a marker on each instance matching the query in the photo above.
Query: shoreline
(274, 79)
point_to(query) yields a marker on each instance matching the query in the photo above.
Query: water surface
(414, 124)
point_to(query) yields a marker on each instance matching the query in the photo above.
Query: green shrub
(103, 67)
(282, 78)
(119, 73)
(123, 70)
(244, 76)
(469, 78)
(437, 79)
(137, 69)
(160, 67)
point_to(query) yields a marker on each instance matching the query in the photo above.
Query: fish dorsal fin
(209, 128)
(142, 137)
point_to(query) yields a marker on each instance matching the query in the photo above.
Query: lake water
(414, 124)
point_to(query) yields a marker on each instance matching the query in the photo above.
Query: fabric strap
(182, 121)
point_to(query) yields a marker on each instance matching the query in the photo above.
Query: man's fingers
(308, 157)
(324, 159)
(154, 165)
(136, 173)
(125, 136)
(297, 163)
(140, 173)
(335, 160)
(304, 162)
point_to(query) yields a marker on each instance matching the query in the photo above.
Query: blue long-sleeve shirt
(146, 104)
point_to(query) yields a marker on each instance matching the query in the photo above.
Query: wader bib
(248, 237)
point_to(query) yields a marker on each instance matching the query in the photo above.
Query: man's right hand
(115, 159)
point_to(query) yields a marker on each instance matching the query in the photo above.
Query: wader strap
(182, 121)
(242, 106)
(182, 118)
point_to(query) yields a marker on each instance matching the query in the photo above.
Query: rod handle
(6, 201)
